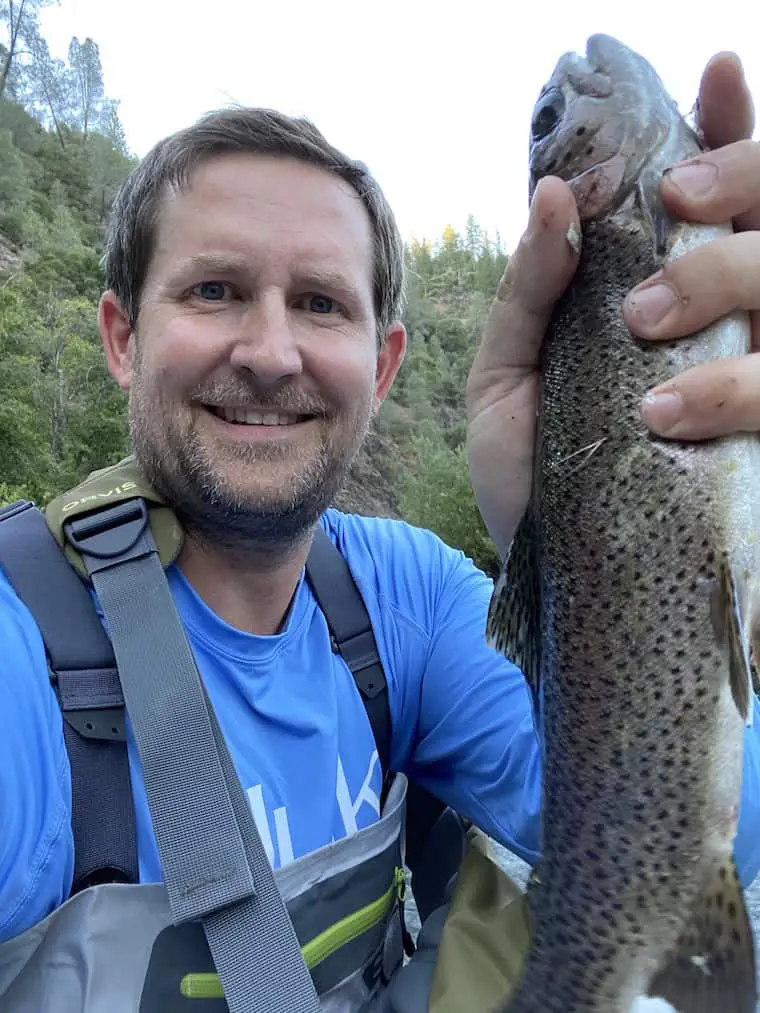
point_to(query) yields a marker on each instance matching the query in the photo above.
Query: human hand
(722, 396)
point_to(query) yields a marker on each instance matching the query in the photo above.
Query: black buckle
(105, 723)
(17, 507)
(114, 534)
(361, 655)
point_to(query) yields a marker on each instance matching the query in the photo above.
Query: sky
(436, 97)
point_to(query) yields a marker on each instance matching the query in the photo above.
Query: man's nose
(265, 344)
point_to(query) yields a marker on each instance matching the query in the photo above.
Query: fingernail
(650, 305)
(695, 179)
(661, 409)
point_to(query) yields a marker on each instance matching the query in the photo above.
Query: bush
(436, 494)
(9, 494)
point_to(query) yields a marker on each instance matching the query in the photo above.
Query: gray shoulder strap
(214, 864)
(85, 680)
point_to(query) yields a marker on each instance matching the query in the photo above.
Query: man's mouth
(248, 417)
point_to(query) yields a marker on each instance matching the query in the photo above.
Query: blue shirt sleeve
(36, 845)
(463, 719)
(747, 846)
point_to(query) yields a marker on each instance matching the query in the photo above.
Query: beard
(208, 483)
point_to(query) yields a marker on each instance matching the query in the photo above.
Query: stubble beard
(228, 515)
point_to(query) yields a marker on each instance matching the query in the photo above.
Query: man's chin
(272, 514)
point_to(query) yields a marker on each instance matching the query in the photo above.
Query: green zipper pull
(399, 880)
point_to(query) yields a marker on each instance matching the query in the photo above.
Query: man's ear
(389, 361)
(116, 334)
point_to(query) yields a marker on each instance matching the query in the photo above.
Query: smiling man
(255, 283)
(253, 365)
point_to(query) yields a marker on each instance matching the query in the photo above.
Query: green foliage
(436, 494)
(61, 415)
(451, 284)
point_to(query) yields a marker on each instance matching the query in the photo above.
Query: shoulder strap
(83, 673)
(351, 631)
(214, 864)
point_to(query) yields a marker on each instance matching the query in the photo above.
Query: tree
(20, 19)
(111, 127)
(473, 239)
(48, 88)
(86, 84)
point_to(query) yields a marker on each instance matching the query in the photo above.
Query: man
(254, 290)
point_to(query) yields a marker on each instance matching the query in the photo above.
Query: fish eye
(548, 114)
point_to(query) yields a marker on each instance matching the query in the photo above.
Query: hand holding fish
(709, 400)
(720, 397)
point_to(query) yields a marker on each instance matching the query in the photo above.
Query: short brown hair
(131, 234)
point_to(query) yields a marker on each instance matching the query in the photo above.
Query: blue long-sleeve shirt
(296, 726)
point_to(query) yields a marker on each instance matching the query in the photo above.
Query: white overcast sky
(434, 95)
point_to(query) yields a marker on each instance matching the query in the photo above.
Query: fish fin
(729, 627)
(514, 612)
(754, 654)
(712, 969)
(655, 212)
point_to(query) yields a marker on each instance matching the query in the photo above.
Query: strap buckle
(361, 655)
(17, 507)
(103, 724)
(115, 534)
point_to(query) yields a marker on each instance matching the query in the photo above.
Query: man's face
(254, 372)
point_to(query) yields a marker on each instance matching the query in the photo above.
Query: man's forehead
(276, 181)
(243, 195)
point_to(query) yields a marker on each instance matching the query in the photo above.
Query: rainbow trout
(629, 593)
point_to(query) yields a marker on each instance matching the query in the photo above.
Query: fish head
(598, 121)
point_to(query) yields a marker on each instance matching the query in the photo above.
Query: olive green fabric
(105, 488)
(485, 939)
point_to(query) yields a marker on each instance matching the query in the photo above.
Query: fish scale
(628, 595)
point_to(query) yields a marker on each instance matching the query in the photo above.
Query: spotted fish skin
(629, 593)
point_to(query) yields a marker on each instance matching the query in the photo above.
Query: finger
(726, 111)
(538, 272)
(714, 399)
(700, 287)
(717, 187)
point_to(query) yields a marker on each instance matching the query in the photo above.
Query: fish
(629, 596)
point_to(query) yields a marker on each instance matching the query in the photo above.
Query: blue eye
(212, 291)
(322, 304)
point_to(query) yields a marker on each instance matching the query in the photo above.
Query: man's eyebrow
(215, 262)
(325, 277)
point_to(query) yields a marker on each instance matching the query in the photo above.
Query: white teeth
(256, 418)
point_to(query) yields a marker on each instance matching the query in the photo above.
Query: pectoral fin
(514, 616)
(754, 658)
(655, 212)
(730, 625)
(712, 969)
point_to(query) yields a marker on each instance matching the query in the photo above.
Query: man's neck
(250, 590)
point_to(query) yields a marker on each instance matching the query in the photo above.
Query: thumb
(537, 274)
(725, 109)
